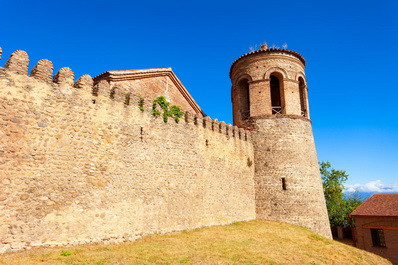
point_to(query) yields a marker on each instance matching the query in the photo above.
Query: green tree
(338, 205)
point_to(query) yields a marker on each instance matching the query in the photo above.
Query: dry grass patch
(254, 242)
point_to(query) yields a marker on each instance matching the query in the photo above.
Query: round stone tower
(269, 97)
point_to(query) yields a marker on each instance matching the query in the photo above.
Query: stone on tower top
(264, 46)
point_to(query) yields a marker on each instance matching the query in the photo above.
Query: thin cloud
(372, 186)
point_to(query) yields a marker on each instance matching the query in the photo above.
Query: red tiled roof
(378, 205)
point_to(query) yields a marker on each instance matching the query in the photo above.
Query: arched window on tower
(244, 99)
(303, 97)
(276, 95)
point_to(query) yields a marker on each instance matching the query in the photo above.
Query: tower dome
(269, 97)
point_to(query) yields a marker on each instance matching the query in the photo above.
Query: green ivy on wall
(174, 111)
(141, 103)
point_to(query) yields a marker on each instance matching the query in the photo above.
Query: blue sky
(350, 49)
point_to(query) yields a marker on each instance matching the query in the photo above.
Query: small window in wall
(378, 237)
(284, 186)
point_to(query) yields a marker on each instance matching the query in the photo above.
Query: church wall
(152, 87)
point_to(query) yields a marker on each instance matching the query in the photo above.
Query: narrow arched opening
(303, 97)
(276, 95)
(244, 99)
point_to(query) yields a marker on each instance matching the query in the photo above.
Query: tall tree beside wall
(339, 206)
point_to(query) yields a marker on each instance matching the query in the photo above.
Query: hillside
(254, 242)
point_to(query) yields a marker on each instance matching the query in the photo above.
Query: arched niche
(240, 77)
(303, 97)
(244, 98)
(277, 93)
(281, 72)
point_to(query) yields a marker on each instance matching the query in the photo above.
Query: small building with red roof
(376, 225)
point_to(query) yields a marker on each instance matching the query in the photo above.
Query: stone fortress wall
(79, 166)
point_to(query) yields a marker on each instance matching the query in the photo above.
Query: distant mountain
(362, 194)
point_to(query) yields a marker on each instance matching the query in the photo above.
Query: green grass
(254, 242)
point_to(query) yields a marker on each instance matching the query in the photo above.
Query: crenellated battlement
(18, 62)
(43, 71)
(86, 161)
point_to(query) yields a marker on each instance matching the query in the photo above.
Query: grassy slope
(254, 242)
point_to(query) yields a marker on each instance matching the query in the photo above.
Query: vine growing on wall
(141, 103)
(127, 99)
(174, 111)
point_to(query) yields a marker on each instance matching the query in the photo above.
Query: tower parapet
(269, 96)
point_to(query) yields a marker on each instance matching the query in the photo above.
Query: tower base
(287, 179)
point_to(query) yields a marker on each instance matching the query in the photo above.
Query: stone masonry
(86, 161)
(80, 168)
(287, 179)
